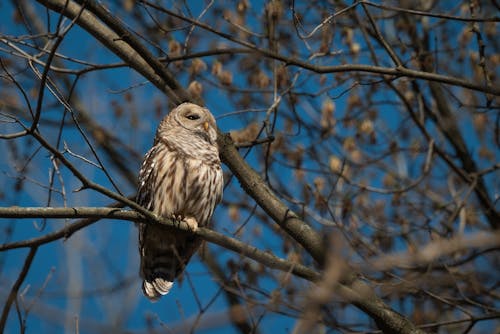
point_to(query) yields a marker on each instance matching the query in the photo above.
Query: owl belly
(184, 190)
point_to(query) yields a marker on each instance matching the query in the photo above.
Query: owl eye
(193, 117)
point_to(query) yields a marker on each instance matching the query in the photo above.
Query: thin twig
(15, 288)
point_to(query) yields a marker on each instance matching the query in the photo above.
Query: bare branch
(15, 288)
(96, 213)
(433, 251)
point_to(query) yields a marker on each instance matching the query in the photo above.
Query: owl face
(197, 120)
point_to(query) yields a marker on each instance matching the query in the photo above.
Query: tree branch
(15, 288)
(96, 213)
(432, 251)
(255, 186)
(115, 42)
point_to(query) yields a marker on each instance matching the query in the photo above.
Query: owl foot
(191, 223)
(177, 218)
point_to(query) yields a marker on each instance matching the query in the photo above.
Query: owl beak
(205, 126)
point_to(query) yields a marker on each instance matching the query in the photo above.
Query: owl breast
(185, 185)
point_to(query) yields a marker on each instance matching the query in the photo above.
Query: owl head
(191, 120)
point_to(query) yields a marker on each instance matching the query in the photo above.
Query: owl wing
(153, 238)
(146, 179)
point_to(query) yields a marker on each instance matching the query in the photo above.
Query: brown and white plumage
(181, 178)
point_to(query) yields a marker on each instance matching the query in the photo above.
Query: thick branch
(95, 213)
(267, 200)
(114, 43)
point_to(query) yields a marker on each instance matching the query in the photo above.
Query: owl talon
(177, 219)
(191, 223)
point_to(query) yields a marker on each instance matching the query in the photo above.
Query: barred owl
(180, 178)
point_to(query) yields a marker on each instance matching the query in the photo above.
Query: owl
(180, 179)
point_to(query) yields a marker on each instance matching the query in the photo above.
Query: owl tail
(164, 256)
(160, 260)
(159, 273)
(159, 270)
(156, 288)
